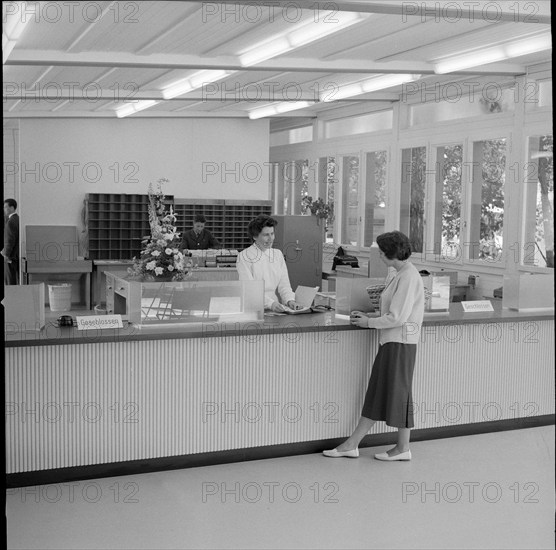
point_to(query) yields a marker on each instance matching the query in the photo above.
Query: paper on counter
(305, 295)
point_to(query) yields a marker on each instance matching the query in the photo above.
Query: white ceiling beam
(172, 61)
(142, 114)
(483, 10)
(109, 95)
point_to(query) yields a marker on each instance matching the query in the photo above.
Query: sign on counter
(96, 322)
(478, 305)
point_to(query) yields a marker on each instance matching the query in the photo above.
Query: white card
(89, 322)
(478, 305)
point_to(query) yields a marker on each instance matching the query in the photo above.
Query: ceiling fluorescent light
(193, 82)
(497, 53)
(370, 85)
(278, 109)
(302, 34)
(132, 108)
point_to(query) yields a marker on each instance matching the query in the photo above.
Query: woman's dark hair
(395, 245)
(199, 218)
(257, 224)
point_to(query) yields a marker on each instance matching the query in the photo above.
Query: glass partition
(195, 302)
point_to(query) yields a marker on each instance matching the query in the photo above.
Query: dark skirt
(389, 395)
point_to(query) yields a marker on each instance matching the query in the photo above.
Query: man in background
(199, 238)
(11, 243)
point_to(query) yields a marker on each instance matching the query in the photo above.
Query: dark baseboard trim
(78, 473)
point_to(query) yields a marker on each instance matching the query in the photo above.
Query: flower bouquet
(322, 210)
(161, 258)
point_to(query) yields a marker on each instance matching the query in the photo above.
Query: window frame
(529, 130)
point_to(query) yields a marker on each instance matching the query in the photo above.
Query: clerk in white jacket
(262, 262)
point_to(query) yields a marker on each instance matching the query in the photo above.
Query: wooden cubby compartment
(118, 222)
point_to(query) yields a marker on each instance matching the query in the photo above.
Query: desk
(99, 277)
(44, 268)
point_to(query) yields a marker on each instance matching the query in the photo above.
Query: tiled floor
(482, 491)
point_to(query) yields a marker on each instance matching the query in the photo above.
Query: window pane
(538, 248)
(301, 185)
(359, 124)
(487, 199)
(325, 191)
(412, 202)
(331, 180)
(287, 137)
(375, 196)
(350, 196)
(289, 177)
(447, 210)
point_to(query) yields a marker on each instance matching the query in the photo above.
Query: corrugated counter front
(132, 400)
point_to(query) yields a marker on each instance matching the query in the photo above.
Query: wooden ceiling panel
(136, 49)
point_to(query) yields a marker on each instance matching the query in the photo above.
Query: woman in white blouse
(389, 396)
(262, 262)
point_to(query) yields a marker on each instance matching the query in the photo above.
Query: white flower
(170, 268)
(175, 250)
(159, 270)
(155, 253)
(150, 265)
(168, 236)
(168, 251)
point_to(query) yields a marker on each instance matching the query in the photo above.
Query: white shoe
(386, 457)
(354, 453)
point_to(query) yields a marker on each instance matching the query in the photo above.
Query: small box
(351, 294)
(452, 274)
(528, 291)
(437, 292)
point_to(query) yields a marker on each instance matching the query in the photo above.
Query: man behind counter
(199, 238)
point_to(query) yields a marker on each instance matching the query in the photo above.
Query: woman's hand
(277, 307)
(359, 319)
(292, 304)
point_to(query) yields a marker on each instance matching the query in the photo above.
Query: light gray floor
(482, 491)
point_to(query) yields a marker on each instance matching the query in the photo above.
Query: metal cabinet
(300, 239)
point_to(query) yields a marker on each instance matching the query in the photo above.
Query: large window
(412, 199)
(375, 195)
(447, 212)
(350, 200)
(487, 199)
(290, 185)
(538, 246)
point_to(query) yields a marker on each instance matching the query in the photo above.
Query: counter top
(319, 321)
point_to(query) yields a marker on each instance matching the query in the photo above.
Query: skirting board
(64, 475)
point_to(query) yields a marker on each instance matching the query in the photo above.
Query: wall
(62, 160)
(10, 145)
